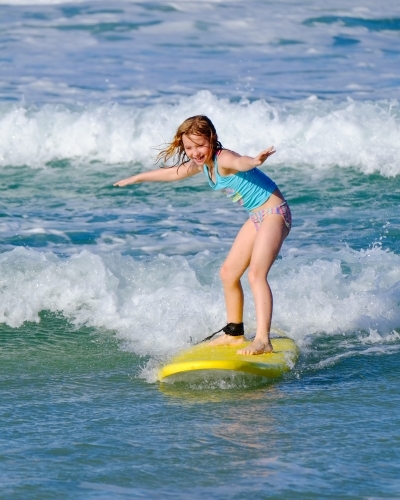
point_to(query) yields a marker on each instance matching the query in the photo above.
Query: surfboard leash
(233, 329)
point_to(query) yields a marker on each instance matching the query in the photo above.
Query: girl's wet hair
(195, 125)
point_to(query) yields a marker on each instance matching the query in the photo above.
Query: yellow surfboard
(204, 358)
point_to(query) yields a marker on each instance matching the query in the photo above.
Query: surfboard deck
(205, 358)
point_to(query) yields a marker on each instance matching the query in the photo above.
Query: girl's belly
(274, 200)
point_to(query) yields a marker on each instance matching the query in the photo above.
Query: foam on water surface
(158, 305)
(361, 135)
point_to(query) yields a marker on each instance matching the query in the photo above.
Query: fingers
(270, 151)
(121, 183)
(265, 154)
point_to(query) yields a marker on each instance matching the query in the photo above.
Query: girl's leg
(267, 244)
(232, 269)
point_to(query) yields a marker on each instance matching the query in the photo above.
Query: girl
(258, 242)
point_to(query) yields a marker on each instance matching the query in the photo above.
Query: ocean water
(100, 286)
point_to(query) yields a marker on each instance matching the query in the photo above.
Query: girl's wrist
(134, 179)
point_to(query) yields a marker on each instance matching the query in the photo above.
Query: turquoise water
(77, 421)
(100, 286)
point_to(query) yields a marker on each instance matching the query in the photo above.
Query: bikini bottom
(282, 209)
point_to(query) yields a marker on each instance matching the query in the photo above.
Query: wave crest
(361, 135)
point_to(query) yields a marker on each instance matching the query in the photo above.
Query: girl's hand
(261, 157)
(125, 182)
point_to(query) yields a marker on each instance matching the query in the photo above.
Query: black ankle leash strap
(233, 329)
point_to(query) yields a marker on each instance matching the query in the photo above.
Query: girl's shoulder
(225, 155)
(226, 152)
(225, 159)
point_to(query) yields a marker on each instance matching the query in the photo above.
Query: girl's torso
(252, 189)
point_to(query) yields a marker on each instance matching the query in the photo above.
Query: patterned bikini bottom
(282, 209)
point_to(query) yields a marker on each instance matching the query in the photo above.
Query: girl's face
(197, 148)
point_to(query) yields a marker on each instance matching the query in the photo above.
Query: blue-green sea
(100, 286)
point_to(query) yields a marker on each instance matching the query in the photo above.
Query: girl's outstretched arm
(166, 174)
(232, 162)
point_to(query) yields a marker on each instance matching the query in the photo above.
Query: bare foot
(256, 347)
(227, 340)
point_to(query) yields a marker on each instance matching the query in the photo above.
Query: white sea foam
(363, 135)
(347, 291)
(156, 305)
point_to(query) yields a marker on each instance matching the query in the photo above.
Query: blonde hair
(195, 125)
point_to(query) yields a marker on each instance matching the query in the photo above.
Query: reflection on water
(226, 387)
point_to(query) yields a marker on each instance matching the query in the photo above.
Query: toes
(255, 350)
(247, 352)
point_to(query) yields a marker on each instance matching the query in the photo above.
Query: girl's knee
(227, 274)
(255, 276)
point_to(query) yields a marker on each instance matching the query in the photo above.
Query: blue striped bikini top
(250, 189)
